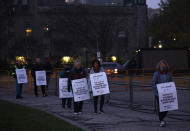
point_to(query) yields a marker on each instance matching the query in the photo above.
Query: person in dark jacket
(18, 65)
(37, 67)
(49, 70)
(67, 74)
(162, 75)
(77, 73)
(96, 68)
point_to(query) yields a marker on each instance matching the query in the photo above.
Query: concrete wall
(177, 59)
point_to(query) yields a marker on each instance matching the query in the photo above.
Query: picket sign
(99, 83)
(21, 76)
(63, 88)
(80, 90)
(40, 78)
(168, 100)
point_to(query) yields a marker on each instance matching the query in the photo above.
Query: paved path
(117, 116)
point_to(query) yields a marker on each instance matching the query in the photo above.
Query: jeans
(18, 89)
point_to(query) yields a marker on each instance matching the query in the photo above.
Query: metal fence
(134, 91)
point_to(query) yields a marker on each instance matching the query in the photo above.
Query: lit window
(28, 32)
(46, 28)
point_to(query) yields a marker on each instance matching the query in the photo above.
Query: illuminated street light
(46, 29)
(20, 58)
(66, 59)
(160, 46)
(154, 47)
(174, 39)
(138, 51)
(114, 58)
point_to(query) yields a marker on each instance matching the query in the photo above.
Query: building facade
(53, 29)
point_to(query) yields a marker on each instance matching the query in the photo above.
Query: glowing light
(46, 28)
(66, 59)
(115, 71)
(20, 58)
(28, 32)
(174, 39)
(160, 46)
(114, 58)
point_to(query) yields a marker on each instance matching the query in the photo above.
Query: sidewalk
(114, 119)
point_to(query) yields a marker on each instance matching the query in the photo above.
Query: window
(28, 32)
(46, 28)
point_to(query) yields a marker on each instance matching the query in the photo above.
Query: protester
(77, 73)
(162, 75)
(18, 65)
(67, 74)
(38, 66)
(96, 68)
(49, 70)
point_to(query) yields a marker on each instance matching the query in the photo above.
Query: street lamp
(114, 58)
(160, 46)
(66, 59)
(21, 58)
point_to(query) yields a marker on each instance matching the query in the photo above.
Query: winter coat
(160, 78)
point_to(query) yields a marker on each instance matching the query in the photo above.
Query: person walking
(38, 66)
(78, 72)
(162, 75)
(96, 68)
(18, 65)
(49, 71)
(67, 74)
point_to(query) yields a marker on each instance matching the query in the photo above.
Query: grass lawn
(15, 117)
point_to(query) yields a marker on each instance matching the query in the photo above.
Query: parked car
(111, 67)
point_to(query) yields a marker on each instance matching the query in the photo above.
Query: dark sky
(153, 3)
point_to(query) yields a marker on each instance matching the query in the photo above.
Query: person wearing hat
(67, 74)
